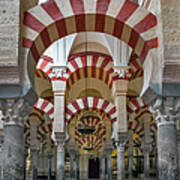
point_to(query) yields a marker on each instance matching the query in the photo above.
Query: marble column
(130, 155)
(167, 150)
(165, 110)
(60, 160)
(49, 165)
(15, 113)
(1, 157)
(178, 151)
(120, 161)
(77, 166)
(35, 153)
(146, 147)
(108, 151)
(146, 150)
(120, 144)
(102, 166)
(72, 165)
(34, 147)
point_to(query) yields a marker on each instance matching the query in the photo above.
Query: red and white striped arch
(43, 68)
(46, 107)
(134, 104)
(97, 137)
(55, 19)
(136, 69)
(92, 103)
(98, 66)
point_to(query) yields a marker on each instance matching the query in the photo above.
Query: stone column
(35, 153)
(120, 155)
(15, 112)
(102, 166)
(146, 150)
(34, 146)
(49, 165)
(60, 158)
(167, 150)
(166, 139)
(146, 147)
(58, 134)
(77, 167)
(178, 151)
(108, 151)
(72, 149)
(130, 155)
(1, 157)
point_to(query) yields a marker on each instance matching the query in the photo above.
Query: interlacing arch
(55, 19)
(46, 107)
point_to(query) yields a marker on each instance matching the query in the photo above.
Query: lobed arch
(55, 19)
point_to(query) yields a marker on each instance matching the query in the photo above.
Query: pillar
(60, 159)
(77, 167)
(146, 150)
(120, 144)
(102, 166)
(72, 166)
(34, 146)
(120, 161)
(146, 147)
(1, 157)
(167, 150)
(15, 113)
(58, 134)
(35, 153)
(130, 156)
(108, 151)
(49, 165)
(165, 110)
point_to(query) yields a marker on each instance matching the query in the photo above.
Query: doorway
(94, 168)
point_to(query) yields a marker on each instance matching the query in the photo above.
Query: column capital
(15, 111)
(59, 70)
(165, 109)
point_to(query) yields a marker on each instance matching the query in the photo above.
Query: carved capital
(165, 110)
(121, 71)
(59, 71)
(60, 146)
(15, 111)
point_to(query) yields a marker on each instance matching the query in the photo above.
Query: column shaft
(167, 150)
(49, 166)
(146, 166)
(13, 152)
(120, 162)
(109, 166)
(60, 162)
(102, 169)
(77, 168)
